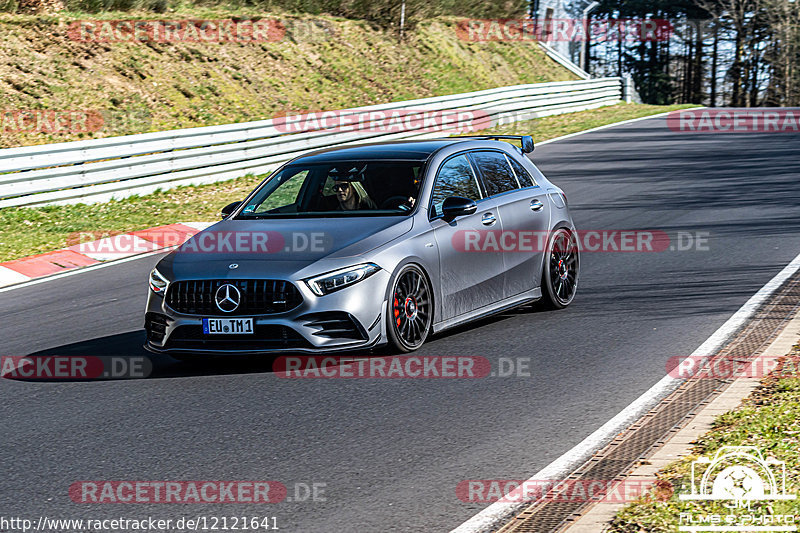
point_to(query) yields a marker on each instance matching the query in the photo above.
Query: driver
(349, 192)
(352, 196)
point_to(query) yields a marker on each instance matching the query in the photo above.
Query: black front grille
(265, 337)
(258, 297)
(156, 326)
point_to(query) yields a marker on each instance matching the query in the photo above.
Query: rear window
(497, 175)
(524, 178)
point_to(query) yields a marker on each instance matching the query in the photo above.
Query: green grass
(768, 420)
(27, 231)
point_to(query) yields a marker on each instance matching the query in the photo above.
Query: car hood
(278, 247)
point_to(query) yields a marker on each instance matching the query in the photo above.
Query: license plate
(227, 326)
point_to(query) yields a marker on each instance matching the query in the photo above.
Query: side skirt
(493, 309)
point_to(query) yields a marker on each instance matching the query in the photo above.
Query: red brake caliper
(397, 311)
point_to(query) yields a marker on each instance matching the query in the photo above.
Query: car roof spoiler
(525, 141)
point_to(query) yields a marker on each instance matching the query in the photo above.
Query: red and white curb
(98, 251)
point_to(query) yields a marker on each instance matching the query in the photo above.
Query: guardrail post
(628, 89)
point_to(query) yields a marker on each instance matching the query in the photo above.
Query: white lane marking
(83, 270)
(567, 463)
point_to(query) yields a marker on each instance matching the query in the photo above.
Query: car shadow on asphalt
(123, 357)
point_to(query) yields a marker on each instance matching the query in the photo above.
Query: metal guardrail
(565, 62)
(116, 167)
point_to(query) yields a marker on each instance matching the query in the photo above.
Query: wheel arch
(419, 264)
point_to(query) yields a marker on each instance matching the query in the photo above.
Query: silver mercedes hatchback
(354, 247)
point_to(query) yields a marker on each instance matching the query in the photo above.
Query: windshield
(338, 189)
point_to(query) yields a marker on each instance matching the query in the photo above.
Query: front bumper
(349, 319)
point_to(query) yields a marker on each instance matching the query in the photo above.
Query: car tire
(409, 312)
(560, 270)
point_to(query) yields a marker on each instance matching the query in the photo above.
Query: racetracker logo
(256, 242)
(74, 367)
(384, 121)
(53, 121)
(492, 241)
(564, 30)
(560, 490)
(177, 492)
(65, 121)
(733, 120)
(110, 244)
(729, 367)
(396, 367)
(177, 31)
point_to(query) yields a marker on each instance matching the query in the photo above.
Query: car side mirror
(230, 208)
(456, 206)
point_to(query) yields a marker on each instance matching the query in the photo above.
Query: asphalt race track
(391, 452)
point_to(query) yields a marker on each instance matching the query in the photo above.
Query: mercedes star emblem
(227, 298)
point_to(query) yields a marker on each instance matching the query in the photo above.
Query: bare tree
(743, 18)
(782, 55)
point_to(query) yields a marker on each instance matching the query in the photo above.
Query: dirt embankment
(65, 81)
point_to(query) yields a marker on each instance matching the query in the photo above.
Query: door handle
(488, 219)
(536, 205)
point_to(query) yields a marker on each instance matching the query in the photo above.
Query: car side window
(497, 175)
(284, 195)
(455, 178)
(523, 176)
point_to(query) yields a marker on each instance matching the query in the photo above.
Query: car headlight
(158, 283)
(339, 279)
